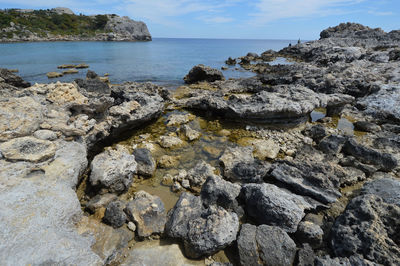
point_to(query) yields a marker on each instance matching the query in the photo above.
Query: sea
(164, 60)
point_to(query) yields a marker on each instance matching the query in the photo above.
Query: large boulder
(265, 245)
(124, 28)
(146, 165)
(369, 227)
(268, 204)
(203, 73)
(12, 79)
(113, 170)
(148, 212)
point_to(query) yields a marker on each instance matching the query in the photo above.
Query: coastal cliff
(61, 24)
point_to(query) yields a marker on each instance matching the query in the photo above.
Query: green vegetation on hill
(47, 21)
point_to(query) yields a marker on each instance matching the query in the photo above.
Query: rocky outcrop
(203, 73)
(126, 29)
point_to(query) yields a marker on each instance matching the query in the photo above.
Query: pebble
(132, 226)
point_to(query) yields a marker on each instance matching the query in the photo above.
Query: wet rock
(366, 126)
(12, 79)
(28, 149)
(91, 75)
(178, 119)
(45, 134)
(70, 71)
(148, 212)
(100, 201)
(146, 165)
(384, 161)
(170, 142)
(167, 161)
(114, 214)
(198, 174)
(268, 204)
(204, 230)
(65, 66)
(263, 149)
(332, 144)
(82, 65)
(203, 73)
(230, 61)
(220, 192)
(52, 75)
(311, 233)
(190, 133)
(386, 188)
(113, 170)
(309, 178)
(265, 245)
(19, 117)
(368, 227)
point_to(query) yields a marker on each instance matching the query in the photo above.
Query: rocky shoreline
(218, 172)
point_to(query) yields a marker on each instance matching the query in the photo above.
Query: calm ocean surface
(164, 61)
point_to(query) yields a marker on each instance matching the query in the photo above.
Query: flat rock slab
(386, 188)
(28, 149)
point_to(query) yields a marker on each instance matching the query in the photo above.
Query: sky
(236, 19)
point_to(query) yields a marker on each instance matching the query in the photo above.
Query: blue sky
(257, 19)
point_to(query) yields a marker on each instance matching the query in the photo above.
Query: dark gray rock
(203, 73)
(148, 212)
(355, 260)
(265, 245)
(311, 233)
(305, 256)
(91, 75)
(368, 227)
(100, 201)
(332, 144)
(230, 61)
(366, 126)
(146, 165)
(12, 79)
(386, 188)
(93, 86)
(114, 214)
(217, 191)
(384, 161)
(316, 132)
(268, 204)
(199, 174)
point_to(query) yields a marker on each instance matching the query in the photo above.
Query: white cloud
(271, 10)
(381, 13)
(216, 19)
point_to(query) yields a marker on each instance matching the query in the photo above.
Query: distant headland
(61, 24)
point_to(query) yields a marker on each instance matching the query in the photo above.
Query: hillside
(62, 24)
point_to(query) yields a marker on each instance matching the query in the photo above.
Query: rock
(268, 204)
(62, 10)
(94, 85)
(220, 192)
(19, 117)
(178, 119)
(70, 71)
(309, 178)
(12, 79)
(170, 142)
(384, 161)
(113, 170)
(305, 256)
(100, 201)
(263, 149)
(44, 134)
(203, 73)
(254, 55)
(224, 68)
(52, 75)
(265, 245)
(366, 126)
(82, 65)
(146, 165)
(368, 227)
(332, 144)
(126, 29)
(212, 151)
(28, 149)
(386, 188)
(190, 133)
(311, 233)
(230, 61)
(316, 132)
(65, 66)
(167, 161)
(115, 215)
(198, 174)
(148, 212)
(132, 226)
(155, 253)
(91, 75)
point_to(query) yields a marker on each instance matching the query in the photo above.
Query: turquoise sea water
(164, 61)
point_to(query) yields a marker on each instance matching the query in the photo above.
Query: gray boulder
(148, 212)
(311, 233)
(12, 79)
(199, 174)
(114, 214)
(146, 165)
(332, 144)
(265, 245)
(113, 170)
(203, 73)
(386, 188)
(268, 204)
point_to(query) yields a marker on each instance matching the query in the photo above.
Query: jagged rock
(230, 61)
(339, 261)
(332, 144)
(366, 126)
(12, 79)
(220, 192)
(94, 86)
(205, 231)
(268, 204)
(62, 10)
(305, 256)
(114, 214)
(198, 174)
(113, 170)
(309, 178)
(265, 245)
(384, 161)
(91, 75)
(28, 149)
(19, 117)
(178, 119)
(316, 132)
(386, 188)
(100, 201)
(203, 73)
(146, 165)
(148, 212)
(124, 28)
(190, 133)
(368, 227)
(311, 233)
